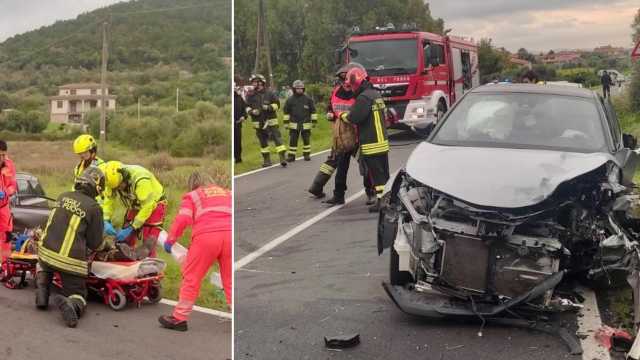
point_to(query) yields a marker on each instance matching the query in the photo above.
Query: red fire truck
(419, 74)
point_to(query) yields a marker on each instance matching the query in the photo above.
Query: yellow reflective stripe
(281, 148)
(324, 168)
(264, 150)
(70, 235)
(272, 122)
(314, 116)
(344, 117)
(79, 297)
(381, 144)
(378, 124)
(286, 117)
(275, 107)
(306, 147)
(293, 126)
(44, 234)
(60, 262)
(307, 126)
(380, 188)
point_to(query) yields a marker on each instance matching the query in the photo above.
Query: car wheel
(397, 277)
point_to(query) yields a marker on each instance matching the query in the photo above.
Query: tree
(525, 55)
(491, 61)
(634, 88)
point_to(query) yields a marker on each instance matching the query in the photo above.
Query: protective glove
(2, 195)
(109, 229)
(330, 116)
(255, 112)
(168, 245)
(265, 107)
(123, 234)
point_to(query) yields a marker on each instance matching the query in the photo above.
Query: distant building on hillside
(513, 59)
(563, 57)
(74, 101)
(611, 51)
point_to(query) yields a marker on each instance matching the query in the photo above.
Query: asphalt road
(104, 334)
(326, 281)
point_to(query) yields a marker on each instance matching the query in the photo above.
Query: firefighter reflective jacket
(268, 117)
(368, 114)
(300, 112)
(74, 227)
(143, 192)
(81, 167)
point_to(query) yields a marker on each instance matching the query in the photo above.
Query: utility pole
(103, 86)
(177, 99)
(262, 40)
(138, 108)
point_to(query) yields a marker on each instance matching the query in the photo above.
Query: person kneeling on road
(73, 230)
(208, 208)
(300, 116)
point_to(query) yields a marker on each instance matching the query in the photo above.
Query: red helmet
(355, 77)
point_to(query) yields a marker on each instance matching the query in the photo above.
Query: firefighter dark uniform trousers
(263, 107)
(300, 117)
(74, 227)
(368, 114)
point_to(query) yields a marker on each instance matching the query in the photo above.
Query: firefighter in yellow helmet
(144, 198)
(86, 148)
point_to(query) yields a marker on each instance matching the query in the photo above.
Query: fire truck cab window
(433, 54)
(466, 71)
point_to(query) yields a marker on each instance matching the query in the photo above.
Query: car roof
(534, 89)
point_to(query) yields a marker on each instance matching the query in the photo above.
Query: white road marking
(277, 165)
(201, 309)
(289, 234)
(589, 322)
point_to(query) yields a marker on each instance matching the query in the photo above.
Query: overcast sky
(18, 16)
(537, 25)
(540, 25)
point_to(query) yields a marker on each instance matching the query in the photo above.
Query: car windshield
(519, 120)
(386, 57)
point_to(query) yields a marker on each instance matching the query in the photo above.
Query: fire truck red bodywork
(418, 96)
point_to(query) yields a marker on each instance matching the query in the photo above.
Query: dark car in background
(519, 191)
(30, 205)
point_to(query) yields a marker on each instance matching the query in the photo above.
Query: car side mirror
(629, 141)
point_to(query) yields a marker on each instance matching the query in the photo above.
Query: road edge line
(276, 165)
(201, 309)
(588, 324)
(289, 234)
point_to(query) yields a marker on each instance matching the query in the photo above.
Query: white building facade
(74, 101)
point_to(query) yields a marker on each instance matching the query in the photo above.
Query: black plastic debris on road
(342, 341)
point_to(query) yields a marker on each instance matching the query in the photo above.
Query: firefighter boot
(376, 207)
(169, 322)
(291, 157)
(266, 160)
(283, 160)
(42, 292)
(318, 183)
(337, 199)
(307, 156)
(371, 198)
(68, 310)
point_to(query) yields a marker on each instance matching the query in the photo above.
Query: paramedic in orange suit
(207, 208)
(8, 187)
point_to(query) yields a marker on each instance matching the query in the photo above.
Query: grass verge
(53, 162)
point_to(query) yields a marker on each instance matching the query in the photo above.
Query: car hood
(498, 177)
